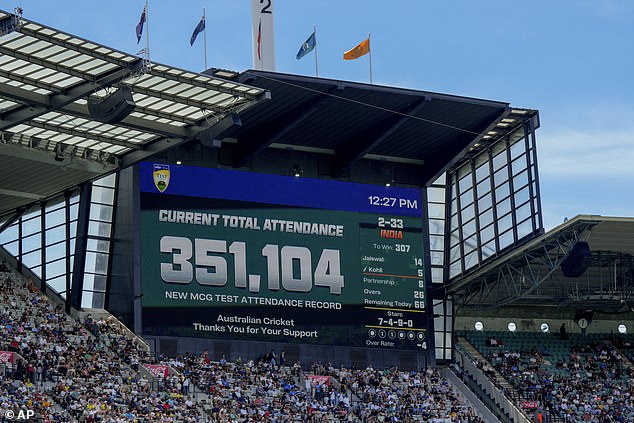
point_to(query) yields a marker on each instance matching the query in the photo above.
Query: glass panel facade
(55, 234)
(58, 285)
(9, 234)
(443, 317)
(524, 228)
(56, 251)
(56, 217)
(436, 210)
(102, 194)
(31, 243)
(44, 240)
(55, 269)
(31, 223)
(499, 188)
(99, 229)
(437, 213)
(42, 246)
(437, 226)
(98, 242)
(101, 212)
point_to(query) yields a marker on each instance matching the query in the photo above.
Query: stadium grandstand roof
(350, 121)
(72, 110)
(51, 140)
(57, 90)
(532, 274)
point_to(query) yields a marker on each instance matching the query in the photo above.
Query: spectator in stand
(563, 335)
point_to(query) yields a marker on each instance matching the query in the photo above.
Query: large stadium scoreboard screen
(246, 256)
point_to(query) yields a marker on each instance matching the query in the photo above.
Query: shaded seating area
(579, 378)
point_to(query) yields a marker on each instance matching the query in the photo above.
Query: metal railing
(466, 363)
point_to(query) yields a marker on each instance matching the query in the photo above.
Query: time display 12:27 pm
(402, 203)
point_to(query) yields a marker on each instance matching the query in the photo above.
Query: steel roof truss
(140, 124)
(51, 66)
(83, 134)
(40, 104)
(252, 144)
(183, 100)
(354, 151)
(526, 274)
(62, 40)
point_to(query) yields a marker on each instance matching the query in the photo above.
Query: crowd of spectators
(588, 382)
(89, 370)
(263, 390)
(68, 370)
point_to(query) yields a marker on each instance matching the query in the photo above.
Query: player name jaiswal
(372, 258)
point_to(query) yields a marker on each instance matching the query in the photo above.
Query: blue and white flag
(139, 26)
(199, 28)
(307, 47)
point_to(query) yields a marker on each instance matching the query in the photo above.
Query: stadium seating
(581, 378)
(89, 370)
(263, 387)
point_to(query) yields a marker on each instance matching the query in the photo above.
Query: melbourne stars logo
(161, 176)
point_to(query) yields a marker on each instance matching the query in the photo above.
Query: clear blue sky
(570, 59)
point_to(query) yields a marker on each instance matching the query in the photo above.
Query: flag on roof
(359, 50)
(139, 26)
(199, 28)
(260, 40)
(307, 47)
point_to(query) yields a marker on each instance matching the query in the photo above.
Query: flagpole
(370, 51)
(316, 67)
(205, 37)
(147, 29)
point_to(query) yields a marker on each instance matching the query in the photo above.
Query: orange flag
(360, 50)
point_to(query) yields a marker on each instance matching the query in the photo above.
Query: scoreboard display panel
(246, 256)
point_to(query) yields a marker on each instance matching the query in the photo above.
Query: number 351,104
(289, 267)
